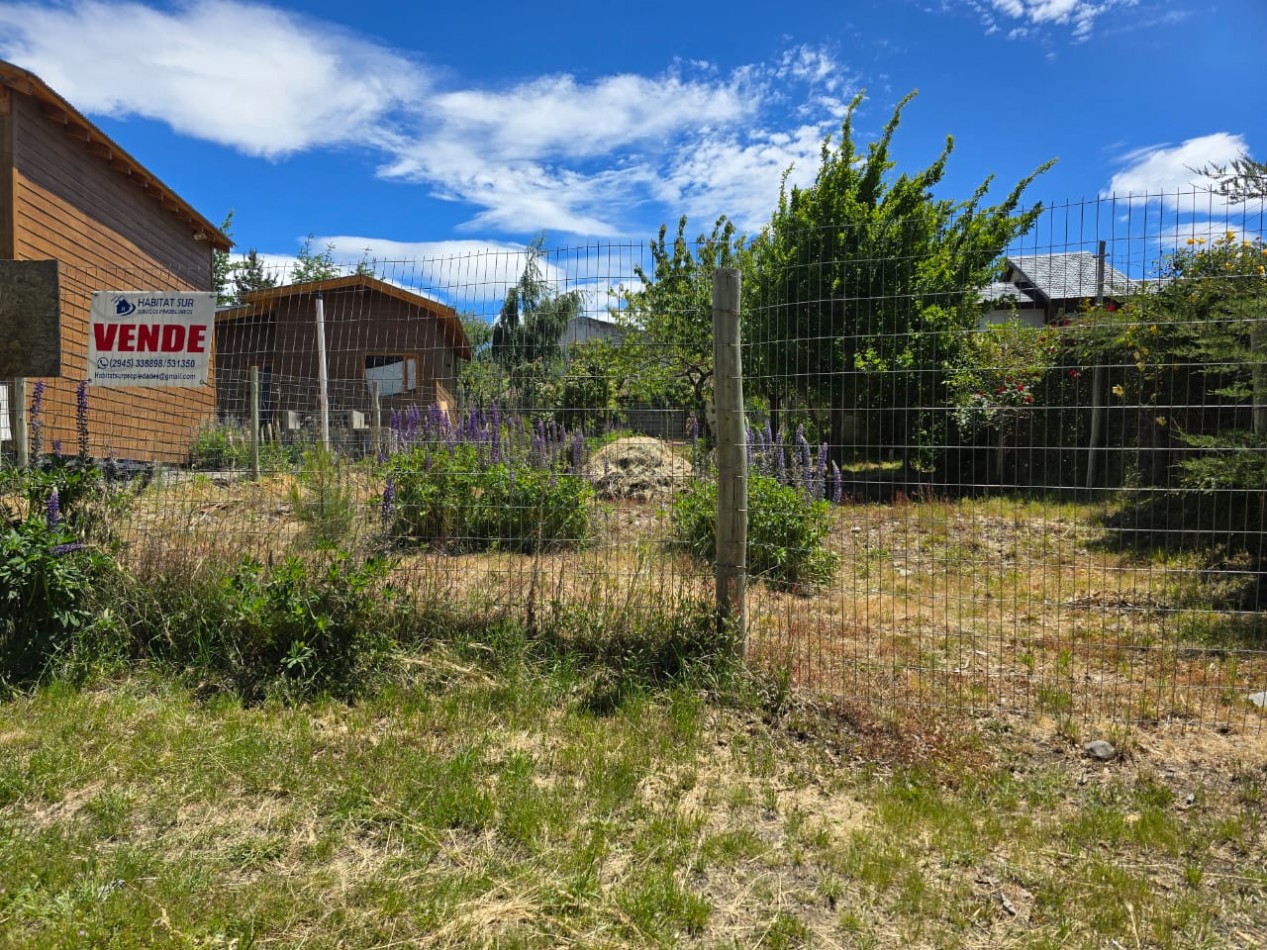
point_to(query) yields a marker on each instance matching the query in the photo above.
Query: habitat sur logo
(123, 307)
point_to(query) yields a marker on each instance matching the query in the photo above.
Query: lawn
(487, 799)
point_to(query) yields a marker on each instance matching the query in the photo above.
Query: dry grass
(979, 606)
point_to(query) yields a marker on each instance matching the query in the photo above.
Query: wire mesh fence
(1040, 494)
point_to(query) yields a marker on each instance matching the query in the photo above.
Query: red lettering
(173, 338)
(197, 337)
(147, 335)
(127, 337)
(104, 334)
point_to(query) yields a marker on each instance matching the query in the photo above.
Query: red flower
(1029, 399)
(1020, 387)
(1000, 389)
(1074, 374)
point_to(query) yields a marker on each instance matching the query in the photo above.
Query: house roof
(1067, 276)
(58, 110)
(259, 303)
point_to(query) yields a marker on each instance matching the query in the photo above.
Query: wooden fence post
(732, 459)
(376, 420)
(255, 423)
(17, 424)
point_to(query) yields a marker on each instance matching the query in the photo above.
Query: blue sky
(420, 129)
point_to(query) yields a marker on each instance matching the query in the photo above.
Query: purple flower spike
(578, 450)
(389, 501)
(53, 512)
(57, 448)
(37, 420)
(838, 486)
(61, 549)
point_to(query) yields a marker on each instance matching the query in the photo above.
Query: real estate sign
(150, 338)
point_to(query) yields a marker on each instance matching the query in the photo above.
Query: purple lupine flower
(838, 485)
(538, 449)
(81, 418)
(37, 420)
(53, 510)
(60, 549)
(578, 450)
(389, 501)
(820, 475)
(57, 448)
(780, 462)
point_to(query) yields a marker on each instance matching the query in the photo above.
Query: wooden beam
(8, 212)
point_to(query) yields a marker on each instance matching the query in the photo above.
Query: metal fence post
(255, 423)
(732, 459)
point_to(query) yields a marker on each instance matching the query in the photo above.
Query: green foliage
(457, 501)
(590, 386)
(787, 531)
(323, 498)
(667, 353)
(293, 630)
(222, 266)
(870, 281)
(312, 266)
(534, 315)
(47, 578)
(223, 447)
(250, 274)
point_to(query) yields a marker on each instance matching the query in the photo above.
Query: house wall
(357, 323)
(69, 204)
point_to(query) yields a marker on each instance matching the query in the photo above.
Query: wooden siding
(6, 175)
(109, 235)
(357, 323)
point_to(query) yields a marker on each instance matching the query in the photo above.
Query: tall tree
(667, 352)
(222, 266)
(869, 283)
(533, 316)
(251, 274)
(311, 265)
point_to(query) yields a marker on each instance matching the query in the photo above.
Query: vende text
(149, 338)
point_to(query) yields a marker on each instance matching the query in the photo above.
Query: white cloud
(251, 77)
(1170, 171)
(1037, 16)
(549, 153)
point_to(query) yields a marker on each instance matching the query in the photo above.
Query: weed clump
(459, 500)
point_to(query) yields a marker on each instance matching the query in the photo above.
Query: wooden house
(70, 193)
(374, 332)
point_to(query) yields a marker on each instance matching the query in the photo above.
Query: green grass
(483, 799)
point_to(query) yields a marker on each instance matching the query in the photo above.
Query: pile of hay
(639, 467)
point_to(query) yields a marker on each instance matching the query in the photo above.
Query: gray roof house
(1039, 289)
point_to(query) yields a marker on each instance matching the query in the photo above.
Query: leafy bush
(223, 447)
(787, 530)
(292, 630)
(47, 578)
(452, 498)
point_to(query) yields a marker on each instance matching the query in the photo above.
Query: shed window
(395, 373)
(5, 434)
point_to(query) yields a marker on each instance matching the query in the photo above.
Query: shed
(68, 192)
(375, 331)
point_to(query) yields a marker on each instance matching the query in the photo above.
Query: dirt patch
(638, 467)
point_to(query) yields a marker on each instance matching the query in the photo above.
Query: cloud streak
(547, 153)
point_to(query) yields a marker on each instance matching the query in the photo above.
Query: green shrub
(224, 447)
(292, 630)
(323, 498)
(787, 530)
(47, 579)
(456, 501)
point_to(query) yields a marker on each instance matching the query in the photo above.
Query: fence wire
(1039, 494)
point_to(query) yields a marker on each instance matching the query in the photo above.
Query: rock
(1100, 750)
(1258, 699)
